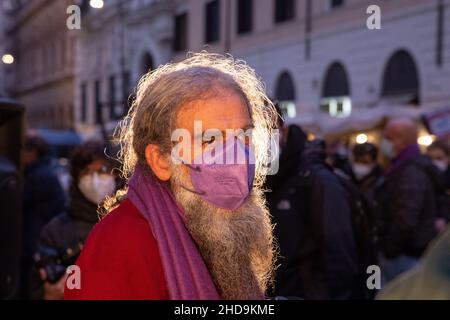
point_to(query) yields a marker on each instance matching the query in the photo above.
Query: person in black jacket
(366, 170)
(312, 224)
(43, 199)
(10, 229)
(439, 153)
(92, 181)
(407, 198)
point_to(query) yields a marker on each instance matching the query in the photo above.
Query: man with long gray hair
(192, 222)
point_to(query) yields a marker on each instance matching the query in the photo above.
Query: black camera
(55, 262)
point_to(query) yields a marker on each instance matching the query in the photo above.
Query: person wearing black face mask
(92, 181)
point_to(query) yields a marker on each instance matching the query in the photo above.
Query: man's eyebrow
(244, 128)
(248, 127)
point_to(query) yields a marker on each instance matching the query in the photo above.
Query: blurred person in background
(439, 153)
(365, 167)
(92, 181)
(313, 223)
(338, 157)
(292, 141)
(43, 199)
(408, 204)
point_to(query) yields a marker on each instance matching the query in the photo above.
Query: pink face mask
(225, 183)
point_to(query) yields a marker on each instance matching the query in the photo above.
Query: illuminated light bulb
(8, 59)
(361, 138)
(425, 140)
(96, 4)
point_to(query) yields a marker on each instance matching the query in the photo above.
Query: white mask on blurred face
(96, 187)
(387, 148)
(440, 164)
(362, 170)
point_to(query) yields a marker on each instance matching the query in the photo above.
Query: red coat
(120, 260)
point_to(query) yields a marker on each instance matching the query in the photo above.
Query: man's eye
(209, 141)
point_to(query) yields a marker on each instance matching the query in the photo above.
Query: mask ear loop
(191, 167)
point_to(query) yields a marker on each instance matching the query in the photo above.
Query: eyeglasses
(101, 170)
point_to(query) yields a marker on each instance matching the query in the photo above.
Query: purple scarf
(186, 274)
(409, 152)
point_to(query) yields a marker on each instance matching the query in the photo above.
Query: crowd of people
(334, 211)
(332, 218)
(336, 214)
(56, 223)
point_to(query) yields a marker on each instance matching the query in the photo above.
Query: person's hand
(440, 224)
(53, 291)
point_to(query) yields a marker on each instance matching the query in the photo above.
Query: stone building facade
(43, 72)
(317, 57)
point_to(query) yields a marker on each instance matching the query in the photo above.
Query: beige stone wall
(337, 35)
(144, 28)
(44, 68)
(3, 50)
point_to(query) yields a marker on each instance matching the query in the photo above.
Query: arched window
(336, 92)
(400, 79)
(146, 63)
(285, 94)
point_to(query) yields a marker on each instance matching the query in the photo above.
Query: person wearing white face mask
(439, 153)
(366, 169)
(407, 199)
(92, 181)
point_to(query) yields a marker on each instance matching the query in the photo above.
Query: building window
(440, 34)
(180, 39)
(244, 16)
(401, 80)
(84, 6)
(127, 95)
(285, 94)
(83, 102)
(62, 121)
(336, 3)
(212, 21)
(98, 103)
(70, 115)
(336, 92)
(147, 64)
(112, 97)
(284, 10)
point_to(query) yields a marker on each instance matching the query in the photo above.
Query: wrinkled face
(223, 113)
(237, 245)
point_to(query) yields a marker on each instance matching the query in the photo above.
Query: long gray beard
(237, 246)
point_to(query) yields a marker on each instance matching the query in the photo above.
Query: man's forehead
(222, 112)
(393, 129)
